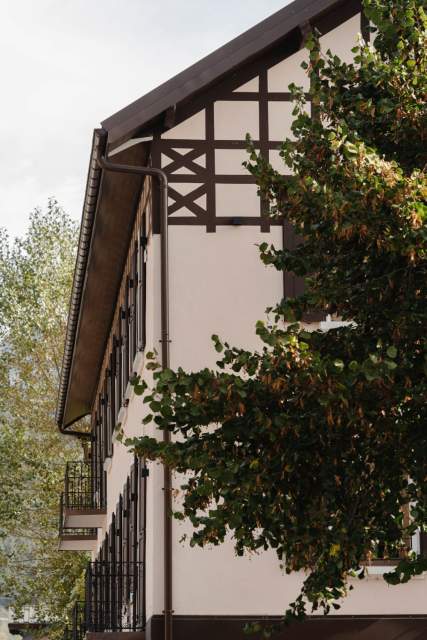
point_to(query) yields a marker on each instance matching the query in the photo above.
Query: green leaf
(339, 364)
(390, 364)
(392, 352)
(218, 344)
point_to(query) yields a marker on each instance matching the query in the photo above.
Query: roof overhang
(108, 216)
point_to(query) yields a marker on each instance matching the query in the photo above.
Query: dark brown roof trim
(89, 208)
(135, 117)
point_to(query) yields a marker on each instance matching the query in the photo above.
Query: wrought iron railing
(78, 621)
(72, 532)
(84, 486)
(67, 634)
(115, 598)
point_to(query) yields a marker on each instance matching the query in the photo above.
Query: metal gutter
(86, 229)
(161, 176)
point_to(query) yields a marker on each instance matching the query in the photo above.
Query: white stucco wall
(219, 285)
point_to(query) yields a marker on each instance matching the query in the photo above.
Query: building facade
(167, 257)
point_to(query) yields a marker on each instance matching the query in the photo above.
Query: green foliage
(314, 445)
(35, 281)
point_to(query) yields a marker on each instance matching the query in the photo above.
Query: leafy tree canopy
(35, 280)
(319, 441)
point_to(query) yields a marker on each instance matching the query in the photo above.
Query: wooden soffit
(114, 218)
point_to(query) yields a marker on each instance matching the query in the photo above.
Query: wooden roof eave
(109, 212)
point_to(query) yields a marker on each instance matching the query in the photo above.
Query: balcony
(115, 598)
(84, 500)
(26, 624)
(115, 602)
(72, 539)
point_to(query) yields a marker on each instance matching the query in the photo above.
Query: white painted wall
(218, 285)
(229, 293)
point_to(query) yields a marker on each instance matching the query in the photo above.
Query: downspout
(160, 175)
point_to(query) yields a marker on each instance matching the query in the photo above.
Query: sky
(66, 65)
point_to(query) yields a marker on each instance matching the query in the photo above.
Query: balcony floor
(84, 518)
(78, 543)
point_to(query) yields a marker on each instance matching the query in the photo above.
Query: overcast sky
(65, 65)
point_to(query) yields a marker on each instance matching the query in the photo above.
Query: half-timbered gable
(203, 153)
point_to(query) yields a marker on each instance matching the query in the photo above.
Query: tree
(319, 442)
(35, 283)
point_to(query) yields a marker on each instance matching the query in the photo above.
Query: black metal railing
(78, 631)
(115, 596)
(67, 634)
(84, 486)
(72, 532)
